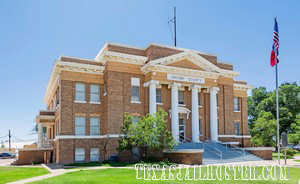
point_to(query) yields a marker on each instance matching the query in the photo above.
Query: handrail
(243, 150)
(218, 151)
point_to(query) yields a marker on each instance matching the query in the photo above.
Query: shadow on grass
(115, 164)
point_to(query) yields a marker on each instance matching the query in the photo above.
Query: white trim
(159, 103)
(259, 148)
(76, 101)
(184, 151)
(136, 102)
(191, 56)
(237, 111)
(69, 66)
(86, 136)
(121, 57)
(95, 103)
(236, 136)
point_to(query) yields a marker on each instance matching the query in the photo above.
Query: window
(95, 93)
(57, 97)
(94, 154)
(158, 96)
(200, 126)
(135, 119)
(199, 99)
(94, 125)
(79, 154)
(181, 97)
(135, 89)
(79, 125)
(80, 92)
(236, 104)
(237, 127)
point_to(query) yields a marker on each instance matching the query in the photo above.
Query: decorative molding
(151, 82)
(242, 87)
(69, 66)
(121, 57)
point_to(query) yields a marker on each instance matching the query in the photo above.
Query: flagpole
(277, 114)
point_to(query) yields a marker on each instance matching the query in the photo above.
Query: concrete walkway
(56, 171)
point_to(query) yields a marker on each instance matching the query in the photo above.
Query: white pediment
(190, 56)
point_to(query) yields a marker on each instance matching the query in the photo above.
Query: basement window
(79, 154)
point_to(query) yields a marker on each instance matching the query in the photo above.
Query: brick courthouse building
(86, 99)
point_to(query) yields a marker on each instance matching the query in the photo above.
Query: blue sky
(35, 33)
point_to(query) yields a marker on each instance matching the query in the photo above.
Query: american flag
(275, 52)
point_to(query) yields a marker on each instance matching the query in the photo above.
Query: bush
(289, 152)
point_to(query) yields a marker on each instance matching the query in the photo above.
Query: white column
(152, 95)
(174, 113)
(195, 113)
(40, 135)
(213, 114)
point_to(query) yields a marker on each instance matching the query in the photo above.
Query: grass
(129, 176)
(275, 156)
(297, 160)
(10, 174)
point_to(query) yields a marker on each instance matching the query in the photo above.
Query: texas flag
(274, 54)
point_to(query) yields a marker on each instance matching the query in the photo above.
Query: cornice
(121, 57)
(69, 66)
(180, 71)
(242, 87)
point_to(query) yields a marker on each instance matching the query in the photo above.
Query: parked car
(297, 147)
(7, 155)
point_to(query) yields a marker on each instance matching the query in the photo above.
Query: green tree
(150, 133)
(264, 130)
(289, 105)
(295, 137)
(2, 144)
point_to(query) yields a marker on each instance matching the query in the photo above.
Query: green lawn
(129, 176)
(275, 156)
(9, 174)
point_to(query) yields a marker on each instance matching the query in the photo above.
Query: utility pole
(9, 142)
(175, 41)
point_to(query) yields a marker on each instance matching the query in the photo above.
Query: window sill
(79, 101)
(181, 105)
(136, 102)
(200, 106)
(159, 103)
(236, 111)
(95, 103)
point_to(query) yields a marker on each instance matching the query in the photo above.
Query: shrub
(290, 152)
